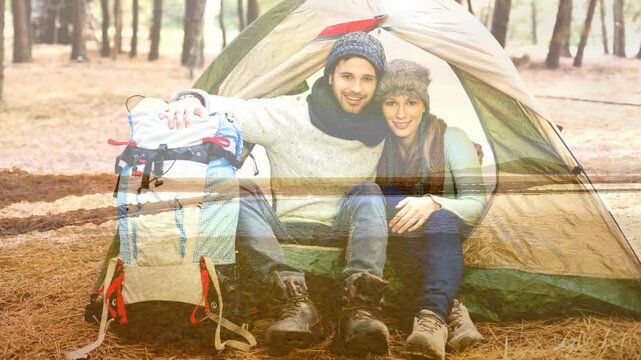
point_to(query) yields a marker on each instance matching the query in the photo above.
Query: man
(319, 147)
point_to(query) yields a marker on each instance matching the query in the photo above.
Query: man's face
(353, 83)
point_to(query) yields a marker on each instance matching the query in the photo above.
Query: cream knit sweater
(310, 171)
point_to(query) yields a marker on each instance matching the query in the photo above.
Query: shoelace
(428, 322)
(361, 313)
(456, 316)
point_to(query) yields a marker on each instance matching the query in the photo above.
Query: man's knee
(248, 187)
(366, 188)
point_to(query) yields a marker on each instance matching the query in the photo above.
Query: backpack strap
(83, 352)
(222, 322)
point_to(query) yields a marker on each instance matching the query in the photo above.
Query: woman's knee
(443, 221)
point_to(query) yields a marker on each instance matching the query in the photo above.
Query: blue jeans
(434, 249)
(360, 227)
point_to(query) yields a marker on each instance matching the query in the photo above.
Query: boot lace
(296, 296)
(456, 315)
(428, 322)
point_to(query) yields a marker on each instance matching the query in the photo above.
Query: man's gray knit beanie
(359, 44)
(404, 77)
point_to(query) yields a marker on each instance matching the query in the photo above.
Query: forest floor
(56, 180)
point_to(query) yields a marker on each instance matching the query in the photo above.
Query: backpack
(177, 207)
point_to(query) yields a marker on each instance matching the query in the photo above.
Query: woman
(431, 176)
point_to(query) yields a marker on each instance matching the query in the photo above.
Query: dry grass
(44, 286)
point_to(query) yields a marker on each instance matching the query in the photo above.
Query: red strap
(121, 143)
(218, 140)
(116, 285)
(97, 291)
(204, 280)
(352, 26)
(137, 173)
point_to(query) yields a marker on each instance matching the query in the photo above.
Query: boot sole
(282, 343)
(422, 352)
(457, 345)
(376, 344)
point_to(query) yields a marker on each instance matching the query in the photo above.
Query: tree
(1, 49)
(105, 47)
(193, 50)
(118, 25)
(221, 23)
(134, 25)
(535, 39)
(21, 10)
(618, 41)
(578, 59)
(156, 23)
(567, 33)
(43, 21)
(500, 19)
(558, 35)
(252, 11)
(64, 22)
(604, 31)
(78, 48)
(241, 15)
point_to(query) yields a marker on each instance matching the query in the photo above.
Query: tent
(546, 244)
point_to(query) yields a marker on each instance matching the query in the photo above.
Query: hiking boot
(462, 332)
(296, 325)
(428, 337)
(359, 330)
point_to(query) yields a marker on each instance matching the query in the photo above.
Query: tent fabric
(546, 242)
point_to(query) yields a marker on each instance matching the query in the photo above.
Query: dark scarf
(327, 115)
(422, 172)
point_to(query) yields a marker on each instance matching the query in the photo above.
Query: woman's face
(403, 114)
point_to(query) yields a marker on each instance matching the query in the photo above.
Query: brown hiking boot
(428, 337)
(462, 332)
(359, 330)
(296, 325)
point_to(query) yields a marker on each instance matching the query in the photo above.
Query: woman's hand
(180, 113)
(413, 213)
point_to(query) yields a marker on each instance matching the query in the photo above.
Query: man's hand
(413, 213)
(181, 113)
(479, 152)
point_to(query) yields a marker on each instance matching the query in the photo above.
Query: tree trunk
(604, 30)
(78, 48)
(535, 38)
(221, 23)
(21, 32)
(1, 51)
(619, 29)
(192, 52)
(241, 15)
(567, 33)
(156, 24)
(43, 21)
(133, 51)
(252, 11)
(578, 59)
(105, 47)
(500, 19)
(118, 25)
(64, 21)
(558, 35)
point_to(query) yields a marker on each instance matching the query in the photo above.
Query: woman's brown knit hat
(404, 77)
